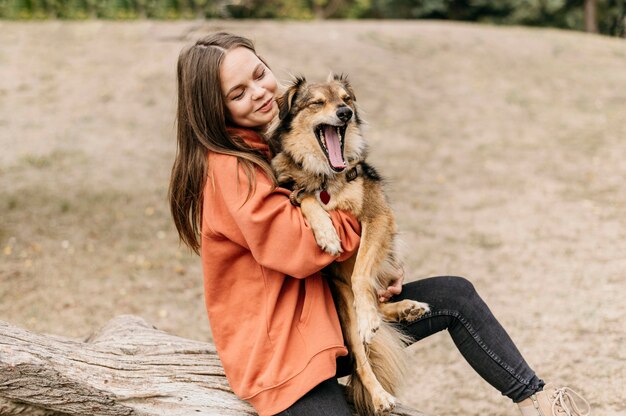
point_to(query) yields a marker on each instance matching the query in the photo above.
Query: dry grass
(503, 147)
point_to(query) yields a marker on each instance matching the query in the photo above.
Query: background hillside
(503, 148)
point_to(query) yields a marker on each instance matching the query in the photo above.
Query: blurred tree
(292, 9)
(612, 17)
(199, 8)
(140, 7)
(323, 9)
(591, 22)
(90, 8)
(268, 9)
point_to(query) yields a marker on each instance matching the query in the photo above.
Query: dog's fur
(303, 162)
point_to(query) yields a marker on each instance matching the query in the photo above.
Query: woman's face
(249, 87)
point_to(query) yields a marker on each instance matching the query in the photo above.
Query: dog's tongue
(334, 147)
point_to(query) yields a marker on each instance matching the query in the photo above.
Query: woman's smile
(267, 106)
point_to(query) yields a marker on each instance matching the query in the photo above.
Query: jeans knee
(460, 285)
(461, 295)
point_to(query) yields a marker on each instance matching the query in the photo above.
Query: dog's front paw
(321, 225)
(413, 310)
(328, 240)
(383, 402)
(368, 321)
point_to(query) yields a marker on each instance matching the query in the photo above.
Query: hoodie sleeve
(274, 231)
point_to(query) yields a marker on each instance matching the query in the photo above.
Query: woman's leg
(325, 399)
(455, 306)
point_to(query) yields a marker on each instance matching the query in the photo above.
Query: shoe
(552, 401)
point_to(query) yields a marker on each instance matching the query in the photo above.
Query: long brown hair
(201, 128)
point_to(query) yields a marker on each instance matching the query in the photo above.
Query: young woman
(271, 312)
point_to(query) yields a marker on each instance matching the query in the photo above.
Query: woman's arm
(268, 225)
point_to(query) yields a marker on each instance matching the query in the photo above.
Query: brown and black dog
(320, 154)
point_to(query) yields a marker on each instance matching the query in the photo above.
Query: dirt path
(504, 149)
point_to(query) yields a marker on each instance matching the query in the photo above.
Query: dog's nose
(344, 113)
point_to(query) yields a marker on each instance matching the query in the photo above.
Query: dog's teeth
(323, 139)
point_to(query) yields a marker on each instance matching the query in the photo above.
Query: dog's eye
(318, 102)
(347, 98)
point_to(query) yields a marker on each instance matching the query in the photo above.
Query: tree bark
(323, 10)
(128, 367)
(591, 20)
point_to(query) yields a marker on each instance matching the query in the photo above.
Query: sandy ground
(504, 149)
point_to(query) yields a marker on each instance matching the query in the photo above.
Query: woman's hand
(394, 289)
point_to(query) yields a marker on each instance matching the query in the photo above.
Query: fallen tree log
(128, 367)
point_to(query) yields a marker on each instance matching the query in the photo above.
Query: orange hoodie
(272, 315)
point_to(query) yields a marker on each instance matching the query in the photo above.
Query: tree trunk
(591, 20)
(324, 9)
(126, 368)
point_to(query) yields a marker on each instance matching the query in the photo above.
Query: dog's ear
(343, 80)
(285, 101)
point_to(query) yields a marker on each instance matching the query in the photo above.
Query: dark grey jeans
(455, 306)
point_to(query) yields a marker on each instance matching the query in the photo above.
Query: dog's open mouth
(331, 140)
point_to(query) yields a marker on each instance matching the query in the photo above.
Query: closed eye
(318, 102)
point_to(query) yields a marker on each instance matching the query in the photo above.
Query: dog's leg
(382, 401)
(404, 310)
(322, 226)
(373, 250)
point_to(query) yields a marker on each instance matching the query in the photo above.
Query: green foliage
(269, 9)
(105, 9)
(566, 14)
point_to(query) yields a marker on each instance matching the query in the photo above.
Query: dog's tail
(387, 356)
